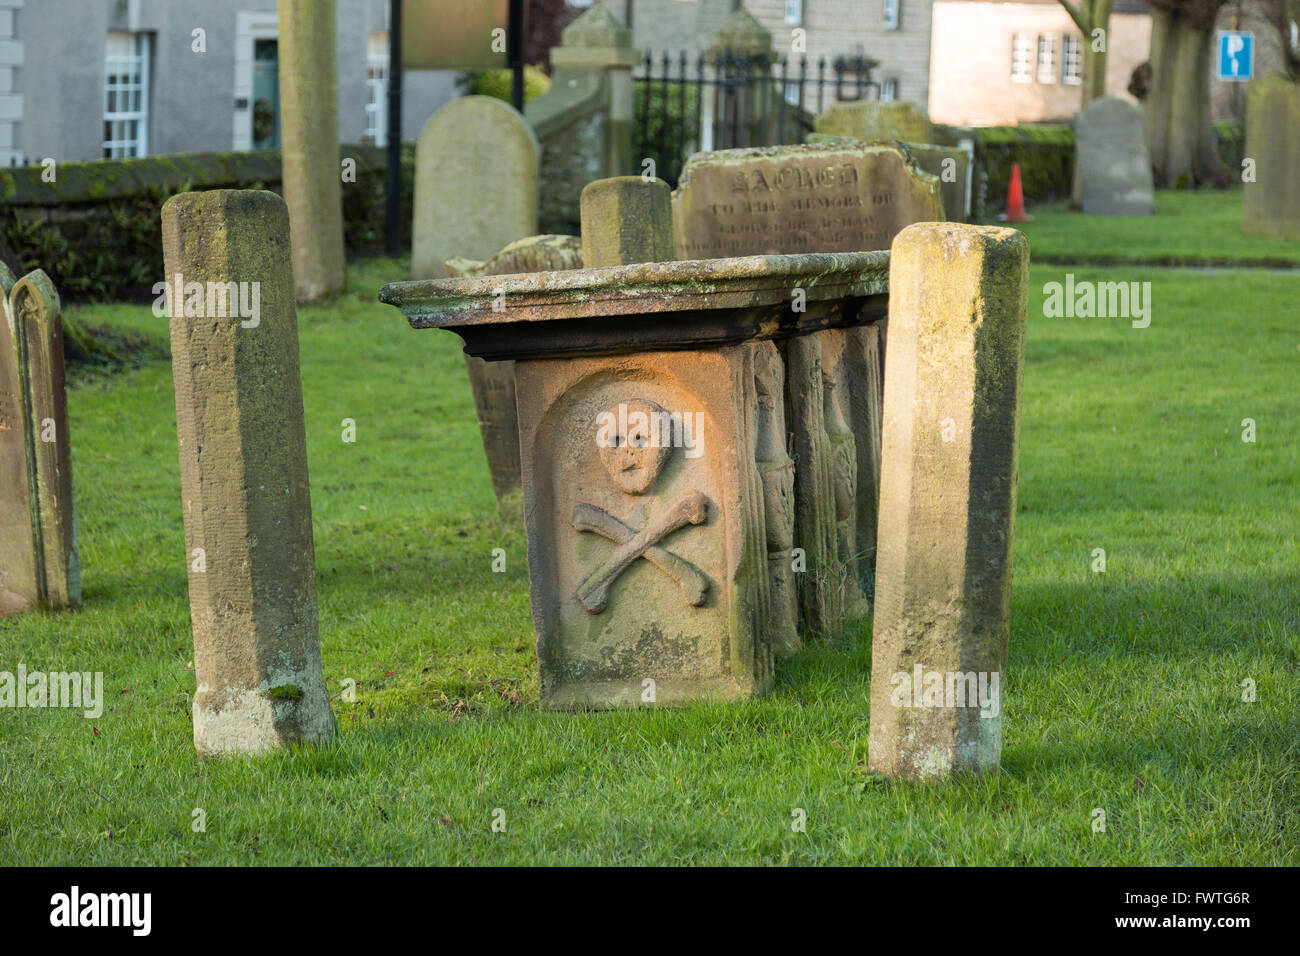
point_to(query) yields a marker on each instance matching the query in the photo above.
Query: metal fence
(735, 100)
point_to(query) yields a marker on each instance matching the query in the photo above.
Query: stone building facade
(87, 79)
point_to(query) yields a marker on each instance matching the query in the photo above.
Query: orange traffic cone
(1015, 199)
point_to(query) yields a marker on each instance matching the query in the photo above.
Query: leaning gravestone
(244, 487)
(39, 564)
(1113, 161)
(475, 184)
(1271, 203)
(493, 383)
(824, 197)
(877, 121)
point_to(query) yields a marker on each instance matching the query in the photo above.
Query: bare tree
(1091, 16)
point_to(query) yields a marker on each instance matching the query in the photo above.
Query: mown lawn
(1189, 228)
(1124, 690)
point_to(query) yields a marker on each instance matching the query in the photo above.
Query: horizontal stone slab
(679, 305)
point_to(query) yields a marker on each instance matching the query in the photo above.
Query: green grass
(1200, 228)
(1123, 691)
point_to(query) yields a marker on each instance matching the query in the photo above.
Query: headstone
(39, 563)
(309, 132)
(1271, 202)
(947, 499)
(804, 198)
(493, 383)
(877, 121)
(244, 485)
(1113, 161)
(948, 164)
(626, 219)
(475, 184)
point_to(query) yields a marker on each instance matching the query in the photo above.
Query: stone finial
(742, 33)
(947, 499)
(625, 220)
(243, 460)
(597, 27)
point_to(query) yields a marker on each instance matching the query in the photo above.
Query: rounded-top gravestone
(1114, 164)
(475, 184)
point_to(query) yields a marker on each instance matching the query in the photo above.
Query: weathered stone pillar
(309, 132)
(243, 459)
(584, 121)
(39, 564)
(947, 499)
(625, 220)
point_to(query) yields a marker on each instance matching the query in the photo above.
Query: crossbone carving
(690, 508)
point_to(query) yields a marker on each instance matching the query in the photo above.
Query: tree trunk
(1180, 134)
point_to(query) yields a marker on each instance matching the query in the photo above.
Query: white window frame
(1045, 65)
(377, 66)
(889, 90)
(134, 64)
(1022, 58)
(1071, 59)
(794, 13)
(892, 12)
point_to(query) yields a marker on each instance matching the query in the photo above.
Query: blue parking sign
(1236, 56)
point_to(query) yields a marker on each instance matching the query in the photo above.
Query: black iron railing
(733, 99)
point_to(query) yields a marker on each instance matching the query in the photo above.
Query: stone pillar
(39, 564)
(742, 51)
(947, 499)
(626, 220)
(244, 487)
(584, 121)
(309, 132)
(1271, 204)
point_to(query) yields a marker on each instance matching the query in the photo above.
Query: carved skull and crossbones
(634, 464)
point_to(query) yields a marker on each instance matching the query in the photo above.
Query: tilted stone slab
(244, 485)
(19, 590)
(493, 383)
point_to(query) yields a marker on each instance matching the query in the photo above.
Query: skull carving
(636, 454)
